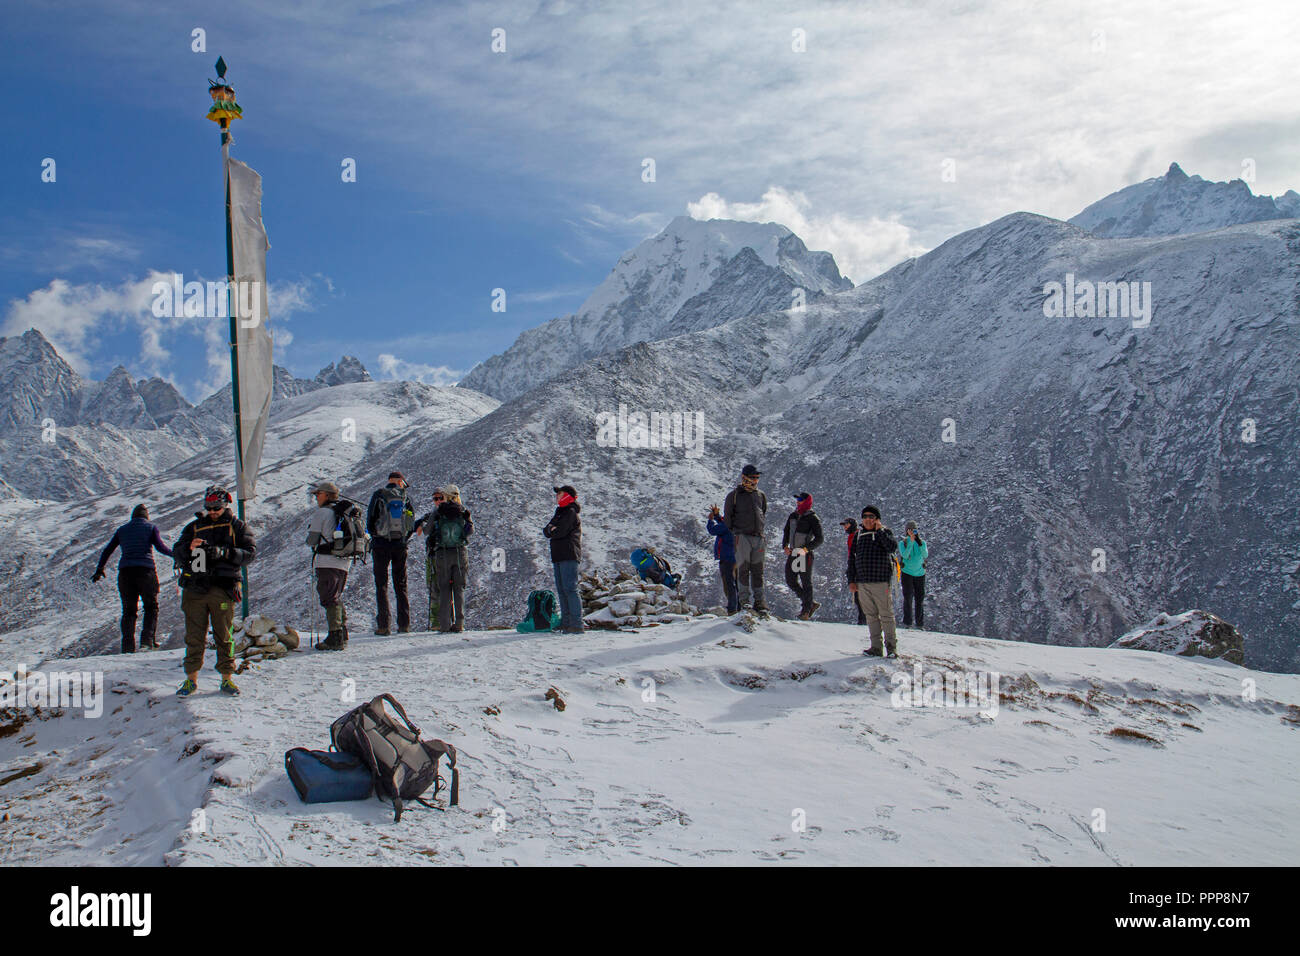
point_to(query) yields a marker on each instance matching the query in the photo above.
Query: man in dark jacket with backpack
(324, 528)
(745, 513)
(800, 538)
(137, 578)
(390, 519)
(211, 550)
(565, 533)
(724, 550)
(870, 574)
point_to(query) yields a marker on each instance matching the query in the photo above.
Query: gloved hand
(98, 576)
(218, 552)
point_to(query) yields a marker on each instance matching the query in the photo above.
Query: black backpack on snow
(403, 765)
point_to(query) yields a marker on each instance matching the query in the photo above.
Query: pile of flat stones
(258, 638)
(621, 599)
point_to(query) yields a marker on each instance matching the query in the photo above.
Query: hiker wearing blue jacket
(913, 551)
(724, 551)
(137, 578)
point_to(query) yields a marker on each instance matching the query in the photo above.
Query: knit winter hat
(911, 526)
(140, 511)
(871, 510)
(396, 474)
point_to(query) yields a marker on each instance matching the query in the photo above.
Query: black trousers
(727, 571)
(913, 591)
(384, 553)
(138, 585)
(800, 582)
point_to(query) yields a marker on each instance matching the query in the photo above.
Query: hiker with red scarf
(565, 531)
(801, 537)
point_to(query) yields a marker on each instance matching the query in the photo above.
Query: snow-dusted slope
(1071, 436)
(328, 433)
(688, 744)
(643, 297)
(1176, 203)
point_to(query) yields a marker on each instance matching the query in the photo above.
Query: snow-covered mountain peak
(349, 369)
(663, 287)
(1177, 203)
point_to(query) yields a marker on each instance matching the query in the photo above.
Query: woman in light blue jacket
(913, 551)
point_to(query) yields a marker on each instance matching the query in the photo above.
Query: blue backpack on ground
(654, 568)
(325, 776)
(543, 613)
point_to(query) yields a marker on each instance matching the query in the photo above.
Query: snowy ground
(745, 731)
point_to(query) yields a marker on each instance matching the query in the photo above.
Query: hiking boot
(458, 629)
(574, 630)
(892, 652)
(812, 609)
(334, 642)
(187, 688)
(228, 687)
(381, 632)
(403, 630)
(873, 652)
(805, 614)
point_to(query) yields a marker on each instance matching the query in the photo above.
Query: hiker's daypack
(396, 519)
(652, 567)
(352, 542)
(323, 776)
(403, 766)
(542, 615)
(451, 532)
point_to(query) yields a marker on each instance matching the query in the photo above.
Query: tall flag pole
(246, 301)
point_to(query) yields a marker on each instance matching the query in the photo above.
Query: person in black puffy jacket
(565, 533)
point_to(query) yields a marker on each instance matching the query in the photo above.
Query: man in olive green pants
(217, 606)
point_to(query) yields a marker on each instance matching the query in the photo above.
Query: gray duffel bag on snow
(404, 766)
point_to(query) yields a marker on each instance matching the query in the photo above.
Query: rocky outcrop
(1189, 634)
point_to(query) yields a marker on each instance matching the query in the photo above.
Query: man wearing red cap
(801, 537)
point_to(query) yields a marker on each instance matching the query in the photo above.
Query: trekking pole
(311, 580)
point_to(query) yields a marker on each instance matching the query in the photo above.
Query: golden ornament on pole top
(224, 108)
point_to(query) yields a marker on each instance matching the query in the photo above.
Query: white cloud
(862, 248)
(78, 318)
(393, 368)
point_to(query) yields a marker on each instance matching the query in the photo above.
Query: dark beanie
(871, 510)
(140, 511)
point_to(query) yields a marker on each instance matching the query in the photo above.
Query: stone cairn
(614, 599)
(258, 638)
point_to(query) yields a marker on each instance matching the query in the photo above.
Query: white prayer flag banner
(248, 308)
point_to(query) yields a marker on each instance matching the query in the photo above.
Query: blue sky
(522, 169)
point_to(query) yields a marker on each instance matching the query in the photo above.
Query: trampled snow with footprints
(685, 743)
